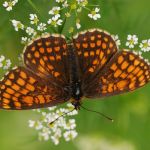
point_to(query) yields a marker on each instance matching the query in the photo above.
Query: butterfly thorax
(76, 94)
(75, 82)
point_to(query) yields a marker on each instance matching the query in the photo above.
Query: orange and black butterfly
(55, 72)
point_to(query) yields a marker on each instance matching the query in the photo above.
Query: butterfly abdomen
(75, 81)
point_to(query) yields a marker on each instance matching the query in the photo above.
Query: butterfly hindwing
(125, 72)
(22, 89)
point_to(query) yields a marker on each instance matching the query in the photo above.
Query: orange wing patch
(47, 57)
(125, 72)
(93, 48)
(21, 89)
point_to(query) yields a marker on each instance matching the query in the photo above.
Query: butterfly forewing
(94, 48)
(125, 72)
(22, 89)
(47, 57)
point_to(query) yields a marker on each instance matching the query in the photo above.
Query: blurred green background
(131, 111)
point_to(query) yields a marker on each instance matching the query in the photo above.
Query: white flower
(78, 25)
(37, 110)
(7, 64)
(70, 125)
(30, 31)
(34, 19)
(31, 123)
(17, 24)
(132, 40)
(67, 14)
(4, 63)
(25, 40)
(82, 3)
(1, 65)
(10, 4)
(41, 27)
(65, 4)
(71, 107)
(145, 45)
(117, 40)
(48, 117)
(60, 1)
(55, 21)
(38, 125)
(55, 138)
(94, 14)
(53, 123)
(79, 9)
(69, 135)
(44, 134)
(55, 11)
(2, 58)
(51, 108)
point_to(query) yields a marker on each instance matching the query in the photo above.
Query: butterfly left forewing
(22, 89)
(125, 72)
(47, 56)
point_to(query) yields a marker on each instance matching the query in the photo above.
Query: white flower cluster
(68, 7)
(55, 19)
(9, 4)
(33, 19)
(82, 3)
(51, 128)
(4, 63)
(31, 32)
(94, 14)
(17, 24)
(145, 45)
(117, 40)
(132, 41)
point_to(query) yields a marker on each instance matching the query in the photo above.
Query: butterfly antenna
(61, 116)
(108, 118)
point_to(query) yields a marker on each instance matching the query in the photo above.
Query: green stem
(93, 5)
(87, 8)
(33, 6)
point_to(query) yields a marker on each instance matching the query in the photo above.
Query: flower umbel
(4, 63)
(17, 25)
(55, 21)
(145, 45)
(95, 14)
(9, 4)
(34, 19)
(50, 127)
(132, 40)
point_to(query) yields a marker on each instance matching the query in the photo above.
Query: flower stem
(33, 6)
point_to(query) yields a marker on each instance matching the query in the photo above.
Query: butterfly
(56, 72)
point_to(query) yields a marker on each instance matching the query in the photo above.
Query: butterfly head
(76, 104)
